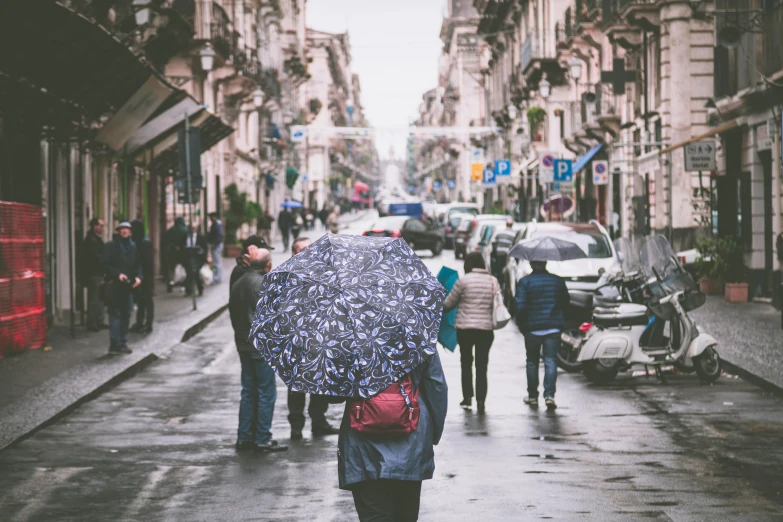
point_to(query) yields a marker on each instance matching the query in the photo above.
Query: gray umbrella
(546, 248)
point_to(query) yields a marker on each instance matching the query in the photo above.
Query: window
(415, 225)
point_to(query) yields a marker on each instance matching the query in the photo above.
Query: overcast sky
(395, 46)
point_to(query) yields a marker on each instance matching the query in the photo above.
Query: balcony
(617, 27)
(539, 56)
(221, 33)
(645, 14)
(600, 110)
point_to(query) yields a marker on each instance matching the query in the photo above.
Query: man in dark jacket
(196, 248)
(145, 306)
(123, 271)
(259, 391)
(284, 222)
(319, 404)
(91, 272)
(215, 239)
(243, 262)
(541, 299)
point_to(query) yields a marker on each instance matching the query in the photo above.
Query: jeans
(257, 402)
(120, 309)
(387, 500)
(482, 340)
(217, 259)
(533, 346)
(317, 410)
(94, 303)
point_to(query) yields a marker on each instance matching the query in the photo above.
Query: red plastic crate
(20, 221)
(18, 257)
(25, 331)
(27, 292)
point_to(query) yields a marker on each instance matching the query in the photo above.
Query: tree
(240, 211)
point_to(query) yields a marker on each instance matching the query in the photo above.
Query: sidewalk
(39, 386)
(749, 336)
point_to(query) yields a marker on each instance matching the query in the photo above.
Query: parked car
(477, 233)
(579, 274)
(510, 237)
(451, 226)
(418, 235)
(447, 211)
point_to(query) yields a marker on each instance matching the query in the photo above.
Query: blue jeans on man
(257, 402)
(534, 346)
(120, 309)
(217, 260)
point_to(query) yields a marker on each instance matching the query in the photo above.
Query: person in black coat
(284, 222)
(122, 267)
(196, 249)
(91, 274)
(145, 306)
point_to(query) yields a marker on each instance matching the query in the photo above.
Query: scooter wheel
(566, 359)
(707, 365)
(597, 373)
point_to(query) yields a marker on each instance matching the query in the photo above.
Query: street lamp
(575, 66)
(544, 87)
(512, 111)
(258, 98)
(207, 55)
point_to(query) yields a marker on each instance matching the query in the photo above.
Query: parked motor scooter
(656, 333)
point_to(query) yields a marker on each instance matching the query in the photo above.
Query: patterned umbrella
(348, 316)
(546, 248)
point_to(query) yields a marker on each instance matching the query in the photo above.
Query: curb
(752, 377)
(115, 380)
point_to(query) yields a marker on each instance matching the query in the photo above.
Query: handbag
(394, 411)
(500, 315)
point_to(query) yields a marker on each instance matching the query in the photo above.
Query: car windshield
(593, 244)
(462, 210)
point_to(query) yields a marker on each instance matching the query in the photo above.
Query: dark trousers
(94, 303)
(285, 232)
(120, 309)
(482, 340)
(387, 500)
(317, 410)
(145, 305)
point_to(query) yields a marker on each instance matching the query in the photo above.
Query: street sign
(562, 186)
(477, 156)
(546, 167)
(298, 133)
(564, 170)
(436, 185)
(489, 178)
(451, 184)
(503, 171)
(600, 172)
(700, 156)
(476, 171)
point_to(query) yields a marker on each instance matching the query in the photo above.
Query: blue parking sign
(502, 168)
(564, 170)
(489, 177)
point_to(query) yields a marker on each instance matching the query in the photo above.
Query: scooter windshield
(665, 275)
(628, 257)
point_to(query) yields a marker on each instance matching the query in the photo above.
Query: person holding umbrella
(352, 318)
(541, 299)
(474, 293)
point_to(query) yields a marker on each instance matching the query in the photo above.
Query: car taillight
(585, 327)
(474, 225)
(396, 233)
(364, 233)
(378, 231)
(448, 229)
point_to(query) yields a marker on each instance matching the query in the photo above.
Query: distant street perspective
(438, 260)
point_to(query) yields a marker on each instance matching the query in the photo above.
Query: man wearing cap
(123, 270)
(249, 245)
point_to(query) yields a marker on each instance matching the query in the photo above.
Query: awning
(585, 159)
(712, 132)
(157, 138)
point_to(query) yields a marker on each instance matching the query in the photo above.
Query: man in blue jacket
(541, 299)
(123, 270)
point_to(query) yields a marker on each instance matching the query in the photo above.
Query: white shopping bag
(206, 275)
(179, 275)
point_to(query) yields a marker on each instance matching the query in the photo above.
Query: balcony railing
(246, 62)
(600, 101)
(221, 33)
(538, 46)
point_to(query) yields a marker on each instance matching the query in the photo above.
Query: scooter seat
(626, 314)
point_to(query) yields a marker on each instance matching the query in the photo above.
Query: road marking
(36, 490)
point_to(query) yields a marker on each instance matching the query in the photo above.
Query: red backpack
(394, 411)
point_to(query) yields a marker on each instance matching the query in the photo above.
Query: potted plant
(709, 279)
(240, 211)
(732, 266)
(535, 116)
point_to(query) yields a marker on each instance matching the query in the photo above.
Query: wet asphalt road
(160, 447)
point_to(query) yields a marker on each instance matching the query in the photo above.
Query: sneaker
(326, 429)
(550, 403)
(531, 401)
(466, 404)
(244, 446)
(296, 433)
(481, 406)
(271, 446)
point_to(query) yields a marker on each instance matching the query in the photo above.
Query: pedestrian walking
(297, 225)
(284, 222)
(250, 244)
(385, 473)
(265, 225)
(123, 271)
(175, 249)
(473, 296)
(541, 298)
(323, 215)
(259, 391)
(498, 257)
(319, 404)
(143, 295)
(333, 222)
(196, 248)
(91, 274)
(215, 238)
